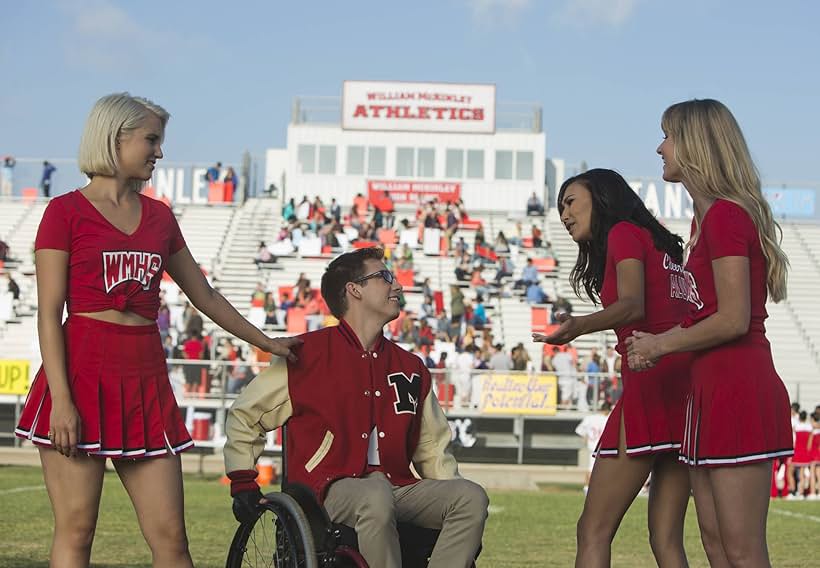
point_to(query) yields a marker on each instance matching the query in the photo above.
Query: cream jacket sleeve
(263, 406)
(431, 459)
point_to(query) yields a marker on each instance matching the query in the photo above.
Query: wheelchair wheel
(280, 537)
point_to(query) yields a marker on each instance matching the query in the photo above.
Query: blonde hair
(714, 161)
(113, 117)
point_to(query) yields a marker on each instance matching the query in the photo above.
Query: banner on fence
(13, 376)
(519, 394)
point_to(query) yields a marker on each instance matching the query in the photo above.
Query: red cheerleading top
(727, 230)
(667, 286)
(108, 269)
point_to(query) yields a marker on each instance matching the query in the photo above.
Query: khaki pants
(373, 506)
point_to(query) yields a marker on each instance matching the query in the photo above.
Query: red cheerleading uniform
(802, 448)
(117, 374)
(738, 408)
(653, 401)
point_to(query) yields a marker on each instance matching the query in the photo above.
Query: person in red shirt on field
(737, 418)
(193, 348)
(103, 389)
(630, 263)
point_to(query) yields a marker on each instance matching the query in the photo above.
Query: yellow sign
(13, 376)
(519, 394)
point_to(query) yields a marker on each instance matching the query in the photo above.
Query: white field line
(796, 515)
(22, 489)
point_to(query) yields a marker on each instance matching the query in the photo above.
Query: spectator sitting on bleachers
(193, 322)
(427, 357)
(500, 360)
(263, 255)
(289, 210)
(317, 208)
(425, 334)
(164, 320)
(479, 362)
(239, 376)
(456, 303)
(367, 231)
(479, 313)
(286, 301)
(318, 220)
(442, 361)
(501, 244)
(303, 209)
(505, 269)
(404, 258)
(479, 240)
(429, 218)
(427, 289)
(408, 332)
(464, 268)
(335, 210)
(529, 276)
(517, 238)
(427, 310)
(461, 248)
(313, 316)
(478, 283)
(378, 218)
(356, 217)
(536, 295)
(303, 293)
(536, 236)
(560, 307)
(520, 358)
(258, 296)
(452, 226)
(534, 205)
(388, 210)
(443, 327)
(296, 233)
(270, 316)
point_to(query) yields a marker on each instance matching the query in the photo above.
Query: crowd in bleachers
(456, 339)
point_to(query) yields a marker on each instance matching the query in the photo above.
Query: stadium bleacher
(225, 239)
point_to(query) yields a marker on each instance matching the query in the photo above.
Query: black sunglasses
(385, 274)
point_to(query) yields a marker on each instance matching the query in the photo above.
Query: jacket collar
(351, 338)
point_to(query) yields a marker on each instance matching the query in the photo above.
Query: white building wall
(478, 194)
(276, 165)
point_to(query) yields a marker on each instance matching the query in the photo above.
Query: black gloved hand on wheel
(246, 506)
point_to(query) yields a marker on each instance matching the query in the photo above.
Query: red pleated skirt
(119, 384)
(652, 405)
(803, 452)
(738, 410)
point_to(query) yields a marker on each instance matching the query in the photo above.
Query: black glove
(246, 507)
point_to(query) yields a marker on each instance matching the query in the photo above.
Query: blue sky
(603, 70)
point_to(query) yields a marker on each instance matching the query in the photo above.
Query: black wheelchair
(294, 531)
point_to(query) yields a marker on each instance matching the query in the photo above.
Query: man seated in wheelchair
(360, 410)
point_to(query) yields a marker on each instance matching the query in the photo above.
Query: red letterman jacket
(334, 396)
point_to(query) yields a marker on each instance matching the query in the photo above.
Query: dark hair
(613, 201)
(345, 268)
(803, 415)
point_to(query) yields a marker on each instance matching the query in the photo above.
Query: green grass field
(525, 528)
